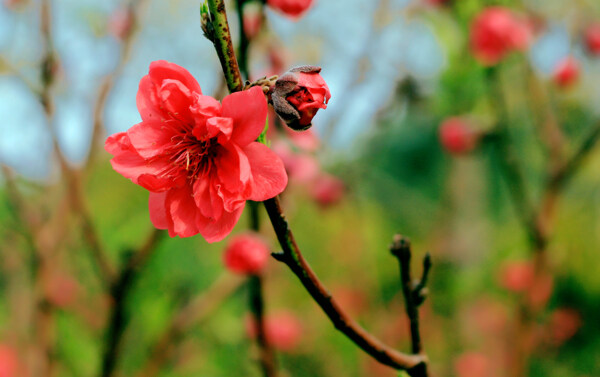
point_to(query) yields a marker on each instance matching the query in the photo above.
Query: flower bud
(517, 276)
(120, 23)
(298, 95)
(592, 39)
(293, 9)
(495, 32)
(457, 137)
(246, 254)
(472, 364)
(253, 20)
(564, 324)
(327, 190)
(282, 330)
(566, 72)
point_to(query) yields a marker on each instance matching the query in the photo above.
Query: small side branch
(293, 258)
(414, 293)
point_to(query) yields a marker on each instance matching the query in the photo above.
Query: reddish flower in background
(253, 20)
(517, 276)
(283, 330)
(472, 364)
(62, 290)
(246, 254)
(567, 72)
(564, 324)
(327, 190)
(120, 23)
(592, 39)
(457, 136)
(298, 95)
(9, 361)
(197, 158)
(291, 8)
(495, 32)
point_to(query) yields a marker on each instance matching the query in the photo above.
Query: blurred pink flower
(294, 9)
(9, 361)
(564, 324)
(327, 190)
(197, 158)
(246, 254)
(120, 23)
(472, 364)
(495, 32)
(592, 38)
(62, 290)
(457, 136)
(283, 330)
(516, 276)
(567, 72)
(252, 21)
(307, 141)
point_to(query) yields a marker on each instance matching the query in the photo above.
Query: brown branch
(194, 312)
(293, 258)
(414, 295)
(108, 82)
(119, 292)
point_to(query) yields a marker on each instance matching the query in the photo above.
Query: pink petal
(216, 230)
(233, 168)
(207, 198)
(203, 108)
(158, 211)
(248, 109)
(151, 138)
(148, 103)
(268, 173)
(182, 208)
(128, 162)
(176, 100)
(163, 70)
(219, 125)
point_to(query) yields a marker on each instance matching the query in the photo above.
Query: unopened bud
(298, 95)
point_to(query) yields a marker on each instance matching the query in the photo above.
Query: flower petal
(268, 173)
(151, 138)
(216, 230)
(163, 70)
(248, 109)
(128, 162)
(182, 208)
(148, 103)
(207, 198)
(158, 212)
(233, 168)
(203, 108)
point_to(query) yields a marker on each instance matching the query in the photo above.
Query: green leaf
(262, 138)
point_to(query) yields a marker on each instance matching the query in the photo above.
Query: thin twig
(413, 295)
(257, 308)
(120, 291)
(109, 81)
(293, 258)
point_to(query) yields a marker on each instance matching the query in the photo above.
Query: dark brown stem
(194, 312)
(293, 258)
(119, 292)
(257, 307)
(400, 248)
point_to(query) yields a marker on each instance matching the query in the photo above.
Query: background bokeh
(396, 69)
